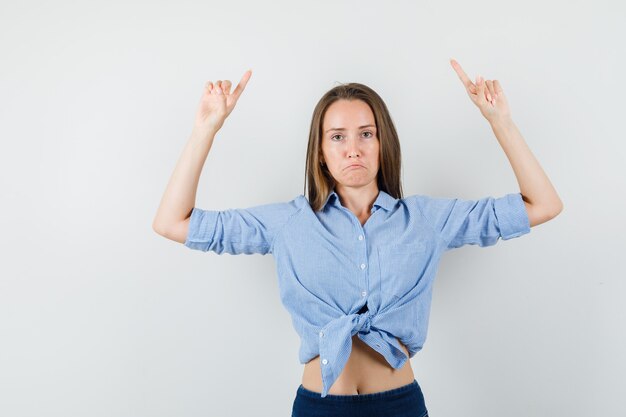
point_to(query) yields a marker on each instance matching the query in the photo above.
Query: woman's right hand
(217, 102)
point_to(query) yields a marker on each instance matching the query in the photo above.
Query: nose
(353, 148)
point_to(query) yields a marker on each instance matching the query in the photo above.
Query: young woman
(356, 260)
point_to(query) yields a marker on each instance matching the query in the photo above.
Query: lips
(354, 166)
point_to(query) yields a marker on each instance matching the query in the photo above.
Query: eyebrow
(343, 128)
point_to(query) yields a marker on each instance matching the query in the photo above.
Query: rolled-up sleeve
(238, 230)
(475, 222)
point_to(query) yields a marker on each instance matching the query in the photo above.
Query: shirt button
(362, 266)
(321, 334)
(324, 361)
(364, 293)
(360, 237)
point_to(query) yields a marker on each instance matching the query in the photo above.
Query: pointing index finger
(459, 71)
(242, 84)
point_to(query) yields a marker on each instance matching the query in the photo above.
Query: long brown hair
(319, 180)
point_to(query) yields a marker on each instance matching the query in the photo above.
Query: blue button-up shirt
(338, 278)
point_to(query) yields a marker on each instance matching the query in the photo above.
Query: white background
(100, 316)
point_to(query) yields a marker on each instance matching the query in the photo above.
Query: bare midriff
(366, 372)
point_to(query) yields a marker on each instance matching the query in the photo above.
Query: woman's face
(349, 137)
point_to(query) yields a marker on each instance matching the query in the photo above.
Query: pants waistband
(395, 392)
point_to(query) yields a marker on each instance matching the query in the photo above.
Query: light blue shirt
(338, 278)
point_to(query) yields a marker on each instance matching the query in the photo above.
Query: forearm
(534, 184)
(180, 195)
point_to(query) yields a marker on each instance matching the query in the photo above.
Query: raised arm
(540, 198)
(178, 201)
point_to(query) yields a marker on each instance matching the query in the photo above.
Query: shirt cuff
(201, 229)
(512, 216)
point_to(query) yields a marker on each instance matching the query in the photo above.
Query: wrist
(204, 132)
(502, 122)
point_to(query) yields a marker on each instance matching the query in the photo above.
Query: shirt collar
(383, 200)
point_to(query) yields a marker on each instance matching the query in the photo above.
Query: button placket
(363, 265)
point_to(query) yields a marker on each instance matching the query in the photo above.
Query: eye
(366, 132)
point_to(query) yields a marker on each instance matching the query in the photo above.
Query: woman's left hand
(487, 95)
